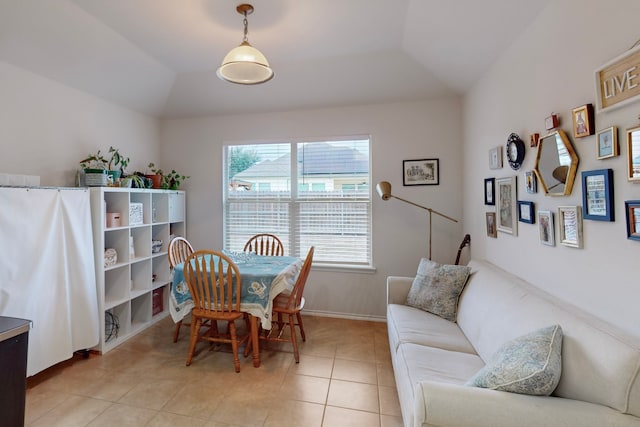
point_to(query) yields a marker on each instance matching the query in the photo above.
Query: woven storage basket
(96, 179)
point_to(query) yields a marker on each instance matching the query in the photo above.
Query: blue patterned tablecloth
(263, 277)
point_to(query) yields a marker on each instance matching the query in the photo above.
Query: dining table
(263, 278)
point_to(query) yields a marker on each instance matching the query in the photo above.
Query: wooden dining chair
(179, 250)
(216, 297)
(291, 305)
(265, 244)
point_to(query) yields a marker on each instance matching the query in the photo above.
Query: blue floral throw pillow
(437, 288)
(530, 364)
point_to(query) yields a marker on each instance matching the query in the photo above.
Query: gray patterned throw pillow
(530, 364)
(437, 288)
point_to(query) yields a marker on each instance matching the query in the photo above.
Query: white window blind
(312, 193)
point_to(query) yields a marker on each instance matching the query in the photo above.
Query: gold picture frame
(607, 143)
(490, 220)
(633, 154)
(582, 121)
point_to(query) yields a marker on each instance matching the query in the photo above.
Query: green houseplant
(117, 164)
(155, 176)
(94, 162)
(173, 179)
(94, 167)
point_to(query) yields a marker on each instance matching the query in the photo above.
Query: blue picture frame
(632, 210)
(526, 212)
(597, 195)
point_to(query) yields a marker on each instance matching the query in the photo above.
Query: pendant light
(245, 64)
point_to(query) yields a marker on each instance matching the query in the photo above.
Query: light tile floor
(344, 379)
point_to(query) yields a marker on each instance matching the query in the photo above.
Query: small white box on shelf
(135, 214)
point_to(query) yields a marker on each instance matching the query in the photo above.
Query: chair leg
(195, 328)
(299, 316)
(176, 334)
(294, 341)
(234, 345)
(249, 346)
(280, 321)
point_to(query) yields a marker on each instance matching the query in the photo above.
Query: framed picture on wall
(489, 191)
(421, 172)
(491, 224)
(546, 228)
(530, 182)
(570, 226)
(607, 143)
(506, 205)
(495, 158)
(632, 208)
(525, 212)
(582, 121)
(597, 195)
(633, 154)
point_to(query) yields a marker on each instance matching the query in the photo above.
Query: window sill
(344, 268)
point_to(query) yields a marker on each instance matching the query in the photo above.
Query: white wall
(46, 128)
(551, 69)
(398, 132)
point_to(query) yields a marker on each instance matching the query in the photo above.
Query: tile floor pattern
(344, 379)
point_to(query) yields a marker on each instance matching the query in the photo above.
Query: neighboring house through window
(312, 193)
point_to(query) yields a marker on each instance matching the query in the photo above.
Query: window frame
(293, 201)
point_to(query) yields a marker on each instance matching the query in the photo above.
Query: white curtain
(47, 272)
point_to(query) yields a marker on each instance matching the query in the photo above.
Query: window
(307, 193)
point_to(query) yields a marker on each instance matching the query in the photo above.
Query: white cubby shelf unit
(133, 292)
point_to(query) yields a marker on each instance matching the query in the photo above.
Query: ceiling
(159, 56)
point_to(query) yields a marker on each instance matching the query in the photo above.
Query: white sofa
(433, 358)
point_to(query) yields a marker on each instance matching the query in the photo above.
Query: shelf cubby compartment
(140, 311)
(176, 207)
(177, 229)
(141, 242)
(118, 240)
(161, 232)
(161, 271)
(160, 301)
(140, 278)
(121, 326)
(116, 289)
(118, 202)
(159, 202)
(143, 197)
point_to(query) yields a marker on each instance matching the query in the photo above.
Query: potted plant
(136, 180)
(94, 167)
(117, 164)
(155, 175)
(172, 180)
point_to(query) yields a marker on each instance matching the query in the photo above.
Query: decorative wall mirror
(633, 144)
(557, 163)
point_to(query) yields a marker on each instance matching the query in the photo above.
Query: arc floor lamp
(384, 191)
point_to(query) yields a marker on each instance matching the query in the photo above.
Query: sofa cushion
(530, 364)
(437, 287)
(426, 363)
(409, 324)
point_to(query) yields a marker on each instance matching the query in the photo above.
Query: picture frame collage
(597, 185)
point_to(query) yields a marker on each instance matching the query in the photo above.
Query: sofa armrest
(398, 289)
(441, 404)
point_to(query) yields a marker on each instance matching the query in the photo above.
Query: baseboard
(345, 315)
